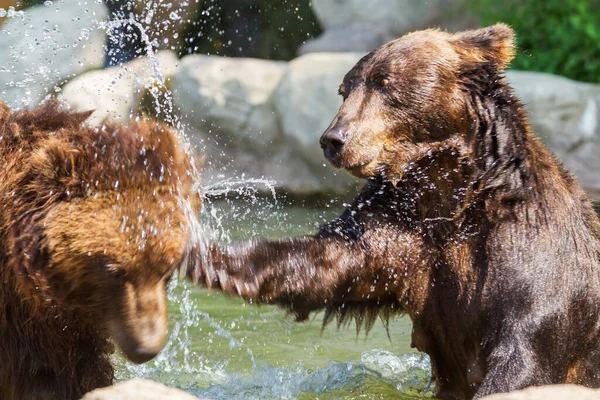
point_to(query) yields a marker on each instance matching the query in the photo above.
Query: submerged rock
(552, 392)
(115, 93)
(139, 389)
(50, 44)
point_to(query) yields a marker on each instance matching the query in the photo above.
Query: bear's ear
(495, 44)
(4, 113)
(28, 252)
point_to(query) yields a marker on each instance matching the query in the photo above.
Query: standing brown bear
(468, 224)
(92, 224)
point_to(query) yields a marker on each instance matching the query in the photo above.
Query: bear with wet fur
(93, 222)
(468, 224)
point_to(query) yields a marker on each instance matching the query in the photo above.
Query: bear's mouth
(138, 321)
(334, 159)
(362, 164)
(136, 349)
(367, 169)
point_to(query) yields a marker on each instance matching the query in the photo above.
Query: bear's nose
(141, 354)
(332, 142)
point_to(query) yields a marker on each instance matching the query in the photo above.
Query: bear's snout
(332, 142)
(139, 323)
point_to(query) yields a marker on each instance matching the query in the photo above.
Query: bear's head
(411, 94)
(103, 218)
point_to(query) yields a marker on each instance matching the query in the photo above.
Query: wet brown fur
(468, 224)
(92, 224)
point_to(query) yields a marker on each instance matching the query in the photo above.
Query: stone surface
(229, 95)
(562, 112)
(357, 25)
(552, 392)
(49, 45)
(263, 119)
(249, 118)
(307, 98)
(115, 92)
(138, 389)
(354, 38)
(565, 115)
(397, 15)
(229, 165)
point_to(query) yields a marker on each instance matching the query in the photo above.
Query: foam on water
(404, 376)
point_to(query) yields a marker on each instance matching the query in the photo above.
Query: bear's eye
(381, 80)
(117, 275)
(109, 268)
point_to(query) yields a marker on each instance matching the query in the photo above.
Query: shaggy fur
(468, 224)
(92, 224)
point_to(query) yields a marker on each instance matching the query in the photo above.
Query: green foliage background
(556, 36)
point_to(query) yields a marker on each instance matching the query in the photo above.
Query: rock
(47, 46)
(249, 116)
(307, 100)
(584, 162)
(139, 389)
(396, 15)
(115, 92)
(564, 113)
(231, 166)
(357, 25)
(552, 392)
(229, 95)
(264, 119)
(362, 38)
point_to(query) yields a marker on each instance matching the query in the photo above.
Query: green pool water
(221, 348)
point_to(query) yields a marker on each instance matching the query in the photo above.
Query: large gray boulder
(114, 93)
(396, 15)
(353, 38)
(291, 104)
(358, 25)
(248, 116)
(565, 114)
(138, 389)
(551, 392)
(307, 98)
(50, 44)
(230, 95)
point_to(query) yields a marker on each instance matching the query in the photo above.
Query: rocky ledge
(263, 119)
(552, 392)
(141, 389)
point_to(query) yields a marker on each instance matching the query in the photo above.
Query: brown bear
(92, 224)
(468, 224)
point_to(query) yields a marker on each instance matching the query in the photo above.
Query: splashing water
(222, 348)
(11, 13)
